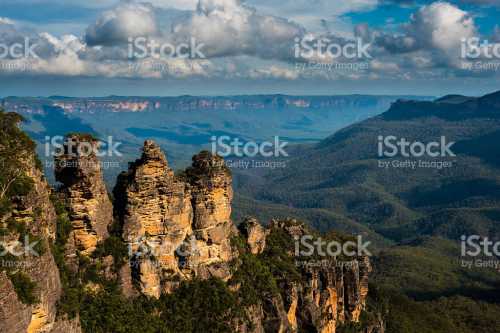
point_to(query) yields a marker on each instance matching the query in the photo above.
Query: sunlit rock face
(255, 234)
(177, 227)
(83, 189)
(326, 296)
(36, 212)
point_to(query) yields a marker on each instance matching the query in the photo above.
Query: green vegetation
(455, 314)
(255, 280)
(423, 288)
(113, 246)
(201, 306)
(16, 152)
(278, 256)
(16, 148)
(414, 217)
(196, 306)
(24, 287)
(69, 304)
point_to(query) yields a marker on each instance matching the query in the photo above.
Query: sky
(232, 47)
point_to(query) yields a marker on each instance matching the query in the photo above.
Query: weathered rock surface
(36, 212)
(255, 234)
(329, 294)
(83, 188)
(14, 315)
(176, 227)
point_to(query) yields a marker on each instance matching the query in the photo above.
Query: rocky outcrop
(255, 234)
(212, 194)
(179, 227)
(331, 292)
(35, 212)
(83, 188)
(176, 227)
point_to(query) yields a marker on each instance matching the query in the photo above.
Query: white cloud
(431, 39)
(228, 28)
(243, 42)
(5, 20)
(441, 25)
(117, 25)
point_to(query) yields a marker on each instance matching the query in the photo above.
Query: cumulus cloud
(243, 42)
(441, 25)
(223, 27)
(70, 55)
(127, 20)
(432, 38)
(229, 28)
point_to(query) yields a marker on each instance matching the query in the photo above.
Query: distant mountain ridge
(186, 103)
(414, 215)
(185, 125)
(338, 182)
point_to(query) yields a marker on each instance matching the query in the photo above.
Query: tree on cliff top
(16, 148)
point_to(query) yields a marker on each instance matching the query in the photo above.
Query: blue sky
(83, 48)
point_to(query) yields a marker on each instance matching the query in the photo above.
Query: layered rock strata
(36, 214)
(176, 227)
(327, 295)
(83, 189)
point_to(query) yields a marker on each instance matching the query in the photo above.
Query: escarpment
(324, 294)
(30, 284)
(78, 169)
(176, 229)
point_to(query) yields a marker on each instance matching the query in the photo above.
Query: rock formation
(255, 234)
(176, 227)
(330, 293)
(36, 214)
(83, 188)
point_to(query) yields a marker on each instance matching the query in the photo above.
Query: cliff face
(326, 295)
(176, 227)
(83, 189)
(33, 214)
(179, 227)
